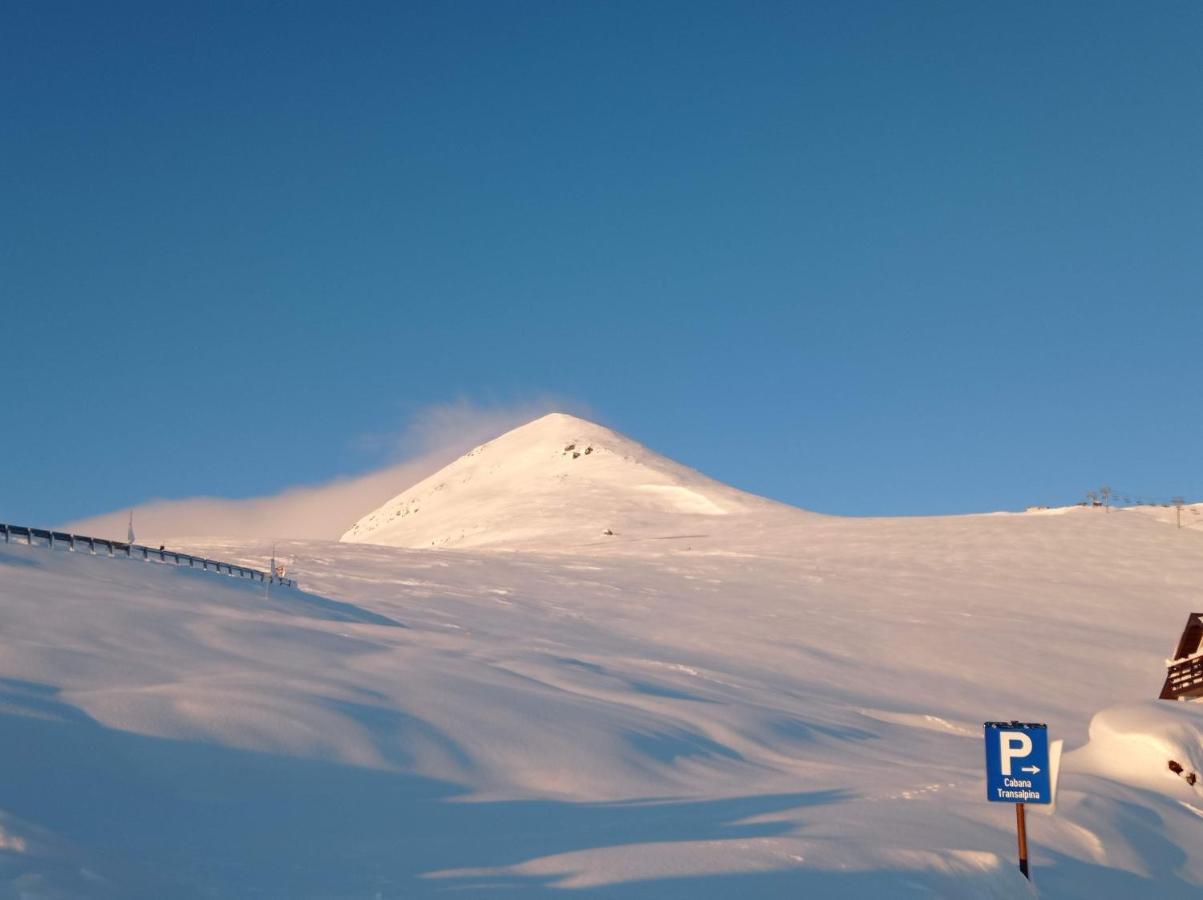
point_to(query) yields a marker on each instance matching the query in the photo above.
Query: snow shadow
(640, 686)
(1070, 877)
(17, 560)
(795, 884)
(671, 744)
(189, 584)
(796, 729)
(90, 811)
(290, 600)
(1144, 832)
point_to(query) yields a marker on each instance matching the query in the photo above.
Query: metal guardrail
(79, 543)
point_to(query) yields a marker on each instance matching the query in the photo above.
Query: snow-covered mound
(556, 482)
(1136, 743)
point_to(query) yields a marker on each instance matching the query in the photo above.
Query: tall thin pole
(1021, 828)
(271, 573)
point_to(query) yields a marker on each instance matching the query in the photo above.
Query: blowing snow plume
(435, 437)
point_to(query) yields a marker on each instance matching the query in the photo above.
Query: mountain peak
(555, 426)
(556, 481)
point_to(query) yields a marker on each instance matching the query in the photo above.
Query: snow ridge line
(35, 536)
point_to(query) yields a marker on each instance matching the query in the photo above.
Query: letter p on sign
(1012, 745)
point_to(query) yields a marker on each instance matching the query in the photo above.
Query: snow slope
(787, 708)
(1191, 515)
(557, 482)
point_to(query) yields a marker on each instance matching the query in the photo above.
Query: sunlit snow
(723, 697)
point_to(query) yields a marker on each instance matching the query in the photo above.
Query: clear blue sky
(868, 258)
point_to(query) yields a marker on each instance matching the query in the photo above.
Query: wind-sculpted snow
(790, 707)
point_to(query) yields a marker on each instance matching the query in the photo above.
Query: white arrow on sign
(1035, 770)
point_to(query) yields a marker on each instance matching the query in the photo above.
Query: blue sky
(867, 258)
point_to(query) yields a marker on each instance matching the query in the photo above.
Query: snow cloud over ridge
(434, 437)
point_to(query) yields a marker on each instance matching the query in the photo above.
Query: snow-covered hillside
(1191, 515)
(557, 482)
(758, 703)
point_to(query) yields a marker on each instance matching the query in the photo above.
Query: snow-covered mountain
(555, 483)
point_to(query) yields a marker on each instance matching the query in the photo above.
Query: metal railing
(79, 543)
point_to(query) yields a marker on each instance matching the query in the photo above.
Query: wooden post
(1022, 830)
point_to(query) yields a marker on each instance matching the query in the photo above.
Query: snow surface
(556, 482)
(758, 703)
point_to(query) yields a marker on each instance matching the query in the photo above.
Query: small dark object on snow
(607, 531)
(570, 447)
(1176, 767)
(588, 450)
(576, 454)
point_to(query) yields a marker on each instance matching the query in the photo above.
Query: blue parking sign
(1017, 763)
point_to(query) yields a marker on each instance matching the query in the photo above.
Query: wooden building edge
(1184, 673)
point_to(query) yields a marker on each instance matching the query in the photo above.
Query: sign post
(1017, 771)
(1021, 830)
